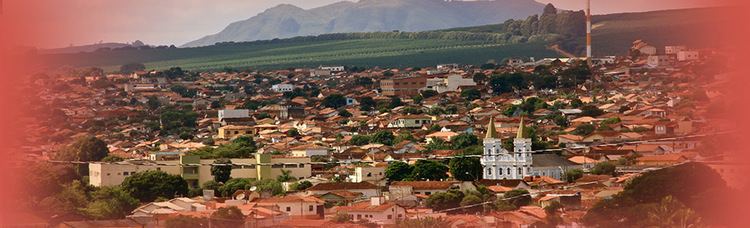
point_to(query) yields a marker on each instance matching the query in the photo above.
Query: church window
(509, 171)
(500, 171)
(489, 171)
(519, 170)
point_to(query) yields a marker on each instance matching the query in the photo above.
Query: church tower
(493, 148)
(522, 152)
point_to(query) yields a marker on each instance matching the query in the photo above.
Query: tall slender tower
(588, 32)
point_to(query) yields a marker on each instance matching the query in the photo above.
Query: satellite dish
(240, 196)
(253, 188)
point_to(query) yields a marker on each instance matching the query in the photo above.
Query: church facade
(499, 163)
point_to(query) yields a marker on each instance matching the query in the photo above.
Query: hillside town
(519, 142)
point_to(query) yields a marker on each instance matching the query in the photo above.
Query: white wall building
(280, 88)
(448, 84)
(233, 113)
(688, 56)
(368, 173)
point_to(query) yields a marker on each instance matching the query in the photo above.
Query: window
(500, 171)
(508, 171)
(428, 193)
(125, 173)
(277, 166)
(288, 209)
(359, 217)
(302, 165)
(390, 216)
(310, 208)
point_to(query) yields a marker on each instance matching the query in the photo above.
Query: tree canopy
(149, 185)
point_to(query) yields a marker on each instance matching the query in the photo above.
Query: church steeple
(521, 134)
(491, 131)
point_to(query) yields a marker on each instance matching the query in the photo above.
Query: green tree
(359, 140)
(444, 200)
(429, 170)
(132, 67)
(227, 217)
(286, 176)
(232, 185)
(87, 148)
(672, 213)
(344, 113)
(301, 186)
(112, 158)
(398, 171)
(395, 102)
(464, 140)
(341, 217)
(471, 94)
(383, 137)
(592, 111)
(573, 175)
(334, 101)
(110, 203)
(366, 103)
(465, 168)
(470, 200)
(604, 168)
(221, 170)
(68, 201)
(428, 93)
(518, 197)
(584, 129)
(149, 185)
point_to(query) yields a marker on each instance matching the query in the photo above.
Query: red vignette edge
(15, 66)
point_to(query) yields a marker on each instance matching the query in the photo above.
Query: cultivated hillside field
(613, 35)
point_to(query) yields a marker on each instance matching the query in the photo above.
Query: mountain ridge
(286, 20)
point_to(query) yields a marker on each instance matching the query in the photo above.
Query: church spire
(521, 134)
(491, 131)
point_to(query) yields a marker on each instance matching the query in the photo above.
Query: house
(406, 188)
(402, 86)
(341, 198)
(233, 114)
(296, 206)
(569, 200)
(661, 160)
(309, 151)
(658, 61)
(197, 171)
(369, 173)
(377, 210)
(410, 121)
(445, 135)
(683, 56)
(280, 88)
(232, 131)
(367, 189)
(449, 84)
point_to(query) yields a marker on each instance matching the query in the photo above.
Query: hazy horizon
(176, 22)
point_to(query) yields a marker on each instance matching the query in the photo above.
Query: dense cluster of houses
(648, 108)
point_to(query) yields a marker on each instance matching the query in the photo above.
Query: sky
(164, 22)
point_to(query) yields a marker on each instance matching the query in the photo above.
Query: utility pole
(588, 32)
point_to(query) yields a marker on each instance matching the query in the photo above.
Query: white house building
(280, 88)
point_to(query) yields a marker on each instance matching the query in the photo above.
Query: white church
(499, 163)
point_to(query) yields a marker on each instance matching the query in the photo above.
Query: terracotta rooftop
(422, 185)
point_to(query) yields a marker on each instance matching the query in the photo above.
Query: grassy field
(359, 52)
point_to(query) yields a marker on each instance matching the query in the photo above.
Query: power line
(155, 163)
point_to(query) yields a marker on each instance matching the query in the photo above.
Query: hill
(285, 21)
(613, 35)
